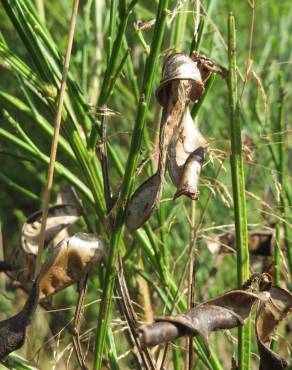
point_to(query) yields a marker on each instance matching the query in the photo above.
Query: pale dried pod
(191, 174)
(66, 263)
(59, 217)
(180, 66)
(185, 156)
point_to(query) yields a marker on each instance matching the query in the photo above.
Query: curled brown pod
(66, 263)
(224, 312)
(180, 66)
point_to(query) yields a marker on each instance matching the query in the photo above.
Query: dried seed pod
(224, 312)
(143, 202)
(260, 243)
(179, 66)
(270, 313)
(59, 217)
(68, 262)
(146, 198)
(191, 174)
(12, 330)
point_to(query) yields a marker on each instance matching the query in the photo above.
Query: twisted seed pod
(179, 66)
(181, 83)
(66, 263)
(224, 312)
(185, 157)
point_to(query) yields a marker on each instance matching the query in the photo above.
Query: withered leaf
(12, 330)
(59, 217)
(224, 312)
(66, 263)
(269, 314)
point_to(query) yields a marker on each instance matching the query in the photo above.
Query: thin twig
(77, 320)
(54, 145)
(131, 317)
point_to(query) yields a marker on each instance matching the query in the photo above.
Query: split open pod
(64, 265)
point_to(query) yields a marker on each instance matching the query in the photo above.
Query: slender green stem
(277, 256)
(18, 187)
(282, 168)
(127, 184)
(238, 186)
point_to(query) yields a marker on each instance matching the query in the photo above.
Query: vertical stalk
(282, 168)
(127, 184)
(277, 258)
(54, 146)
(238, 186)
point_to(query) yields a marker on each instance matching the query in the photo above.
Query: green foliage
(111, 67)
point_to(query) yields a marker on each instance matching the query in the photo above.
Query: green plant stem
(277, 257)
(111, 69)
(238, 186)
(282, 168)
(127, 184)
(60, 169)
(19, 188)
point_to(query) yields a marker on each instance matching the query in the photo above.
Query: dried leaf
(68, 262)
(12, 330)
(224, 312)
(59, 217)
(270, 313)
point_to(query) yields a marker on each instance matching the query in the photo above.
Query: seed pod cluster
(65, 264)
(225, 312)
(180, 141)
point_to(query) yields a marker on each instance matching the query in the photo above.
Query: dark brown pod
(224, 312)
(12, 330)
(179, 66)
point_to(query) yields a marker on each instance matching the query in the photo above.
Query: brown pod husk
(12, 330)
(59, 217)
(179, 66)
(269, 314)
(68, 262)
(143, 202)
(224, 312)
